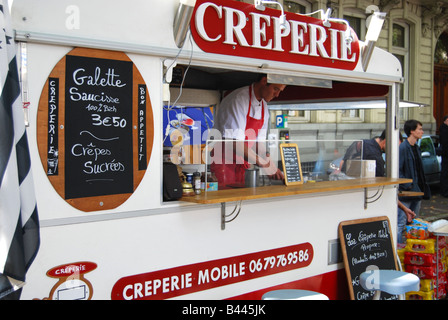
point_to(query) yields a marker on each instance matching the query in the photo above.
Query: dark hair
(261, 76)
(411, 125)
(445, 117)
(383, 135)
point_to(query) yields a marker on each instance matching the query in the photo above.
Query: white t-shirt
(232, 112)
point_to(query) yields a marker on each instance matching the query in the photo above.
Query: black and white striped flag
(19, 223)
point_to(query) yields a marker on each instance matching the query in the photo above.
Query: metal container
(251, 177)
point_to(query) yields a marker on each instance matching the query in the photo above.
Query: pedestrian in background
(443, 133)
(410, 167)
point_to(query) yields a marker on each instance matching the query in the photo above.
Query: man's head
(267, 91)
(382, 140)
(445, 120)
(413, 128)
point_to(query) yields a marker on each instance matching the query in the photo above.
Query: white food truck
(102, 78)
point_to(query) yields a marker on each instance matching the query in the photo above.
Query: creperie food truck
(109, 82)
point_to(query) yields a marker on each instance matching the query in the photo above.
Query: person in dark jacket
(443, 133)
(410, 167)
(370, 149)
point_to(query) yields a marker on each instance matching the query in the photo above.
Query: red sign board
(239, 29)
(168, 283)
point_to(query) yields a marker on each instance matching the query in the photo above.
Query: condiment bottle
(197, 182)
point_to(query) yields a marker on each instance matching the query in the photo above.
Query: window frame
(402, 52)
(304, 3)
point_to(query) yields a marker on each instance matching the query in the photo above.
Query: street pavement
(436, 208)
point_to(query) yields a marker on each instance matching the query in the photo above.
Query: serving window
(195, 94)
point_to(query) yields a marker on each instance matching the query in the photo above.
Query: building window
(400, 49)
(398, 36)
(294, 116)
(297, 6)
(441, 52)
(358, 24)
(298, 116)
(353, 115)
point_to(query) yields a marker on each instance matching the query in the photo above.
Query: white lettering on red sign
(182, 280)
(236, 28)
(67, 270)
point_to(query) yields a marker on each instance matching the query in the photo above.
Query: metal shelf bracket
(231, 216)
(373, 198)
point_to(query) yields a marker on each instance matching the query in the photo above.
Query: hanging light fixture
(373, 33)
(259, 6)
(325, 16)
(182, 21)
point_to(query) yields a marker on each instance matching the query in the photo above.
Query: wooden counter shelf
(273, 191)
(410, 194)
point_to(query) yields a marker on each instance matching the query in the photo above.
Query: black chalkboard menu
(291, 163)
(95, 128)
(366, 243)
(98, 127)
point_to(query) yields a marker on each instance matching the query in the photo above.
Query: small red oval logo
(67, 270)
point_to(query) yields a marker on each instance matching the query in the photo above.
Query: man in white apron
(243, 117)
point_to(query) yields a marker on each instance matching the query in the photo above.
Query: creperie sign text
(200, 276)
(239, 29)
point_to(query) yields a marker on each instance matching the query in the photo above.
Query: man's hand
(269, 168)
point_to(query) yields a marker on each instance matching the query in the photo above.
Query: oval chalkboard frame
(57, 174)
